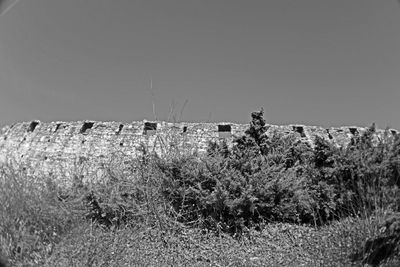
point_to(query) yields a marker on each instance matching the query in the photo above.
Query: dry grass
(277, 245)
(37, 228)
(42, 225)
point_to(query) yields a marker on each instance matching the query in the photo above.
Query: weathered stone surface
(90, 148)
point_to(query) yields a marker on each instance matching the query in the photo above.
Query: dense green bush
(364, 176)
(259, 180)
(282, 179)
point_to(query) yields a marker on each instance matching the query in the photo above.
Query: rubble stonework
(62, 149)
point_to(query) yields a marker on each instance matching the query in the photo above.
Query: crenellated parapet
(62, 149)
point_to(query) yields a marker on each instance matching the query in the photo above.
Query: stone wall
(91, 148)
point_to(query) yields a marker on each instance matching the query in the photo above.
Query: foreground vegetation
(267, 201)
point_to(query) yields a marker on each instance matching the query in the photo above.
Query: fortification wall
(92, 148)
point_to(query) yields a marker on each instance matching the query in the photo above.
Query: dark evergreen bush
(281, 178)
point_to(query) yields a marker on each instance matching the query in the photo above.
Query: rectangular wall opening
(120, 129)
(57, 127)
(300, 130)
(224, 130)
(185, 129)
(150, 128)
(394, 132)
(329, 134)
(353, 131)
(86, 126)
(32, 126)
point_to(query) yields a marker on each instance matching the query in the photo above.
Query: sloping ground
(277, 245)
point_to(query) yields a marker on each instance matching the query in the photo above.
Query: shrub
(260, 180)
(282, 179)
(127, 200)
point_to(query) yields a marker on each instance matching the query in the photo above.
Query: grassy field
(40, 230)
(281, 207)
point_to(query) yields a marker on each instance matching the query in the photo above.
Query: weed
(265, 201)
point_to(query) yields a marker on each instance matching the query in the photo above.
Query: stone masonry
(91, 148)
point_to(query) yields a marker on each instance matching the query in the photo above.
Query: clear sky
(328, 63)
